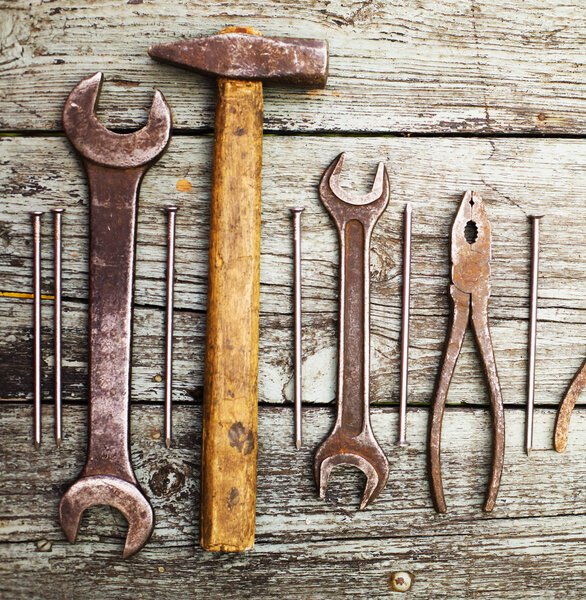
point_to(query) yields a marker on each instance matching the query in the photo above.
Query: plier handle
(470, 291)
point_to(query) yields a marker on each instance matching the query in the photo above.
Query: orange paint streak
(25, 295)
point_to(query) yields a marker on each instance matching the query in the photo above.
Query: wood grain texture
(530, 546)
(230, 397)
(517, 177)
(400, 65)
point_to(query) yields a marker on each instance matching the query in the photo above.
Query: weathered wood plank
(542, 563)
(560, 355)
(517, 178)
(288, 506)
(428, 66)
(531, 543)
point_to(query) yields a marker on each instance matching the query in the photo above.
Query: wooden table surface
(487, 94)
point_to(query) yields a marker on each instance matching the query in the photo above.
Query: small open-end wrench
(351, 441)
(115, 165)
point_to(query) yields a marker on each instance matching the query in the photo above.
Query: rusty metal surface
(566, 407)
(115, 165)
(470, 291)
(296, 61)
(351, 441)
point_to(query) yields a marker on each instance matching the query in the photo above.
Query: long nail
(171, 210)
(297, 238)
(37, 320)
(402, 439)
(532, 333)
(57, 215)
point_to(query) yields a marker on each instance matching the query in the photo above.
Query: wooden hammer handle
(229, 446)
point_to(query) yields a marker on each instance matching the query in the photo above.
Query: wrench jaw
(107, 148)
(110, 491)
(334, 196)
(362, 452)
(379, 188)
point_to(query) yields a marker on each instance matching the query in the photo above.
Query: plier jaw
(471, 246)
(469, 290)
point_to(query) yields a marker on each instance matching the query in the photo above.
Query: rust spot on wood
(183, 185)
(125, 83)
(234, 498)
(241, 438)
(166, 481)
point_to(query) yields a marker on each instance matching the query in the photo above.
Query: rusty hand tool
(115, 165)
(36, 215)
(566, 407)
(242, 60)
(470, 291)
(351, 441)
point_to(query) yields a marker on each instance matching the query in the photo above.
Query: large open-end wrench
(351, 441)
(115, 165)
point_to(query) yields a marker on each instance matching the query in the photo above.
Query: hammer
(241, 59)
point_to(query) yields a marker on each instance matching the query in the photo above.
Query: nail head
(401, 581)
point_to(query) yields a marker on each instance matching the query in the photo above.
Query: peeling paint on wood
(302, 541)
(517, 178)
(482, 66)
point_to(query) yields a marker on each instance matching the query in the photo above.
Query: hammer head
(237, 55)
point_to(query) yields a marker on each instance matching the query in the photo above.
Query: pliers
(470, 290)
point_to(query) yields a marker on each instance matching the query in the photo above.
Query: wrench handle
(113, 205)
(230, 402)
(355, 224)
(354, 339)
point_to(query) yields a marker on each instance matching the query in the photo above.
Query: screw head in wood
(401, 581)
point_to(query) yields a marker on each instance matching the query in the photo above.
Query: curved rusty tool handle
(566, 407)
(482, 333)
(460, 315)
